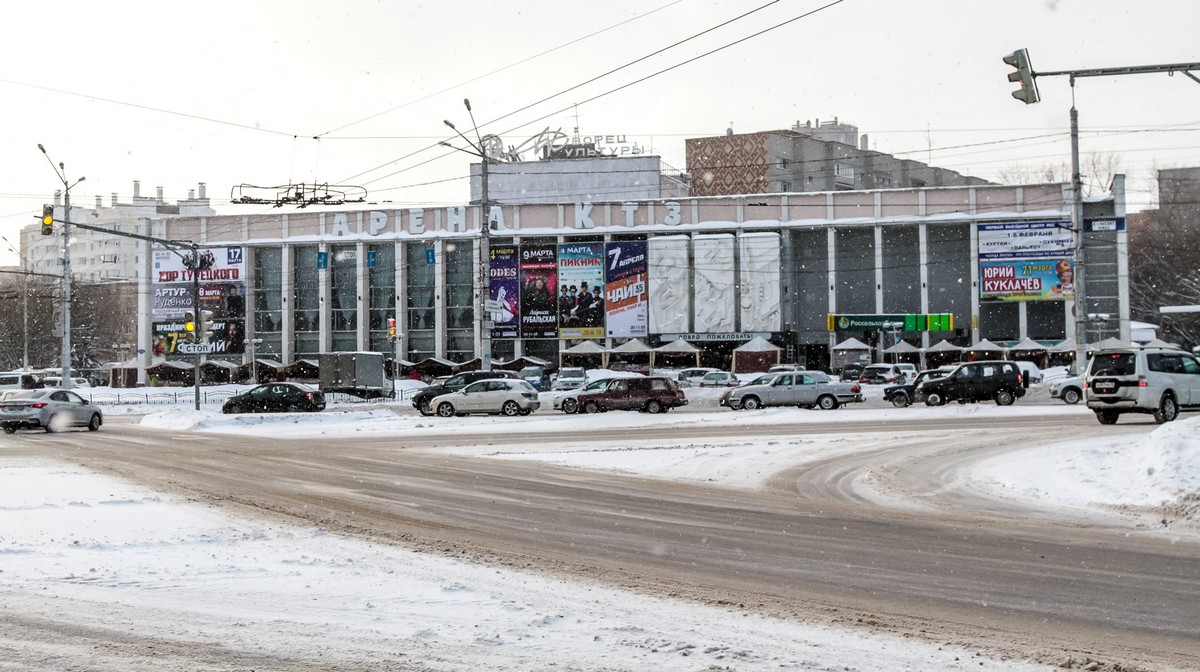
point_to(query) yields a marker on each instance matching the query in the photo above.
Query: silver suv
(1159, 381)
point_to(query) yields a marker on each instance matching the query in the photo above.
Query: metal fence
(188, 395)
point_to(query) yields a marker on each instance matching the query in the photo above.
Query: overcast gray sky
(231, 92)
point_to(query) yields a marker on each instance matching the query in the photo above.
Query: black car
(851, 372)
(276, 398)
(420, 399)
(903, 395)
(995, 380)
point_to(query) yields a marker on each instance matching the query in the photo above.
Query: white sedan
(1069, 390)
(498, 396)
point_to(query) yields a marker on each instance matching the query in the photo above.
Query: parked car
(1030, 371)
(421, 398)
(851, 372)
(719, 379)
(498, 396)
(568, 402)
(882, 373)
(49, 409)
(996, 380)
(276, 398)
(56, 381)
(781, 368)
(909, 371)
(570, 378)
(906, 394)
(1158, 381)
(537, 376)
(1069, 390)
(807, 389)
(21, 380)
(652, 394)
(693, 375)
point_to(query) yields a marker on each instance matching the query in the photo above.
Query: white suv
(1159, 381)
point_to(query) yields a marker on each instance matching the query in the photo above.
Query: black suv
(995, 380)
(420, 400)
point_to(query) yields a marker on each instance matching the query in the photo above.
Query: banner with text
(627, 298)
(1027, 280)
(539, 285)
(581, 290)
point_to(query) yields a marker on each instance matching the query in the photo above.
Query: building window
(420, 277)
(306, 302)
(268, 300)
(460, 300)
(382, 296)
(843, 172)
(343, 297)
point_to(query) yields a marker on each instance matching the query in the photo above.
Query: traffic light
(391, 329)
(204, 324)
(190, 327)
(1028, 92)
(47, 220)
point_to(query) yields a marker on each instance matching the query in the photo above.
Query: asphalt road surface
(884, 538)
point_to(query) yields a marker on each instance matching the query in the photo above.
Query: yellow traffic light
(47, 220)
(190, 327)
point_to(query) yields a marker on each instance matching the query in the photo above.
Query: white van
(21, 380)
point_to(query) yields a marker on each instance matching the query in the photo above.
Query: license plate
(1105, 387)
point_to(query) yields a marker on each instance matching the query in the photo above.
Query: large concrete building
(804, 271)
(808, 157)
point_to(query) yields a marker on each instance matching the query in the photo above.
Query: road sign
(196, 348)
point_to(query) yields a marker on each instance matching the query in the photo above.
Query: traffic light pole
(1028, 94)
(174, 246)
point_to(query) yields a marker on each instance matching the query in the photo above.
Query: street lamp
(253, 343)
(60, 170)
(485, 232)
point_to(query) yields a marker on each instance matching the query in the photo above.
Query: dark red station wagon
(651, 394)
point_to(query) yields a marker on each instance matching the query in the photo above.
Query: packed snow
(164, 567)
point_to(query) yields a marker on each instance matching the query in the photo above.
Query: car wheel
(654, 406)
(295, 408)
(423, 407)
(1167, 411)
(900, 400)
(1107, 417)
(510, 408)
(94, 423)
(751, 403)
(1071, 395)
(827, 403)
(591, 407)
(446, 410)
(1004, 398)
(9, 429)
(570, 405)
(50, 423)
(934, 399)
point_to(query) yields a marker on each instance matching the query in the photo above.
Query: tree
(1096, 172)
(1164, 257)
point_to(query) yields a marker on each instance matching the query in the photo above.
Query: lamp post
(485, 233)
(253, 343)
(60, 170)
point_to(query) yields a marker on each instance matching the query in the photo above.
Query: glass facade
(268, 300)
(343, 297)
(306, 302)
(460, 301)
(381, 280)
(420, 277)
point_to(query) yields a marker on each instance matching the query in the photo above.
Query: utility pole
(1028, 94)
(60, 171)
(485, 234)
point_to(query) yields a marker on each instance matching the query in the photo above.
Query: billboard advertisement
(539, 286)
(1027, 280)
(625, 289)
(504, 271)
(222, 276)
(581, 290)
(1026, 240)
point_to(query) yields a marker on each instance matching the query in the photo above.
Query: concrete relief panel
(714, 283)
(669, 291)
(759, 293)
